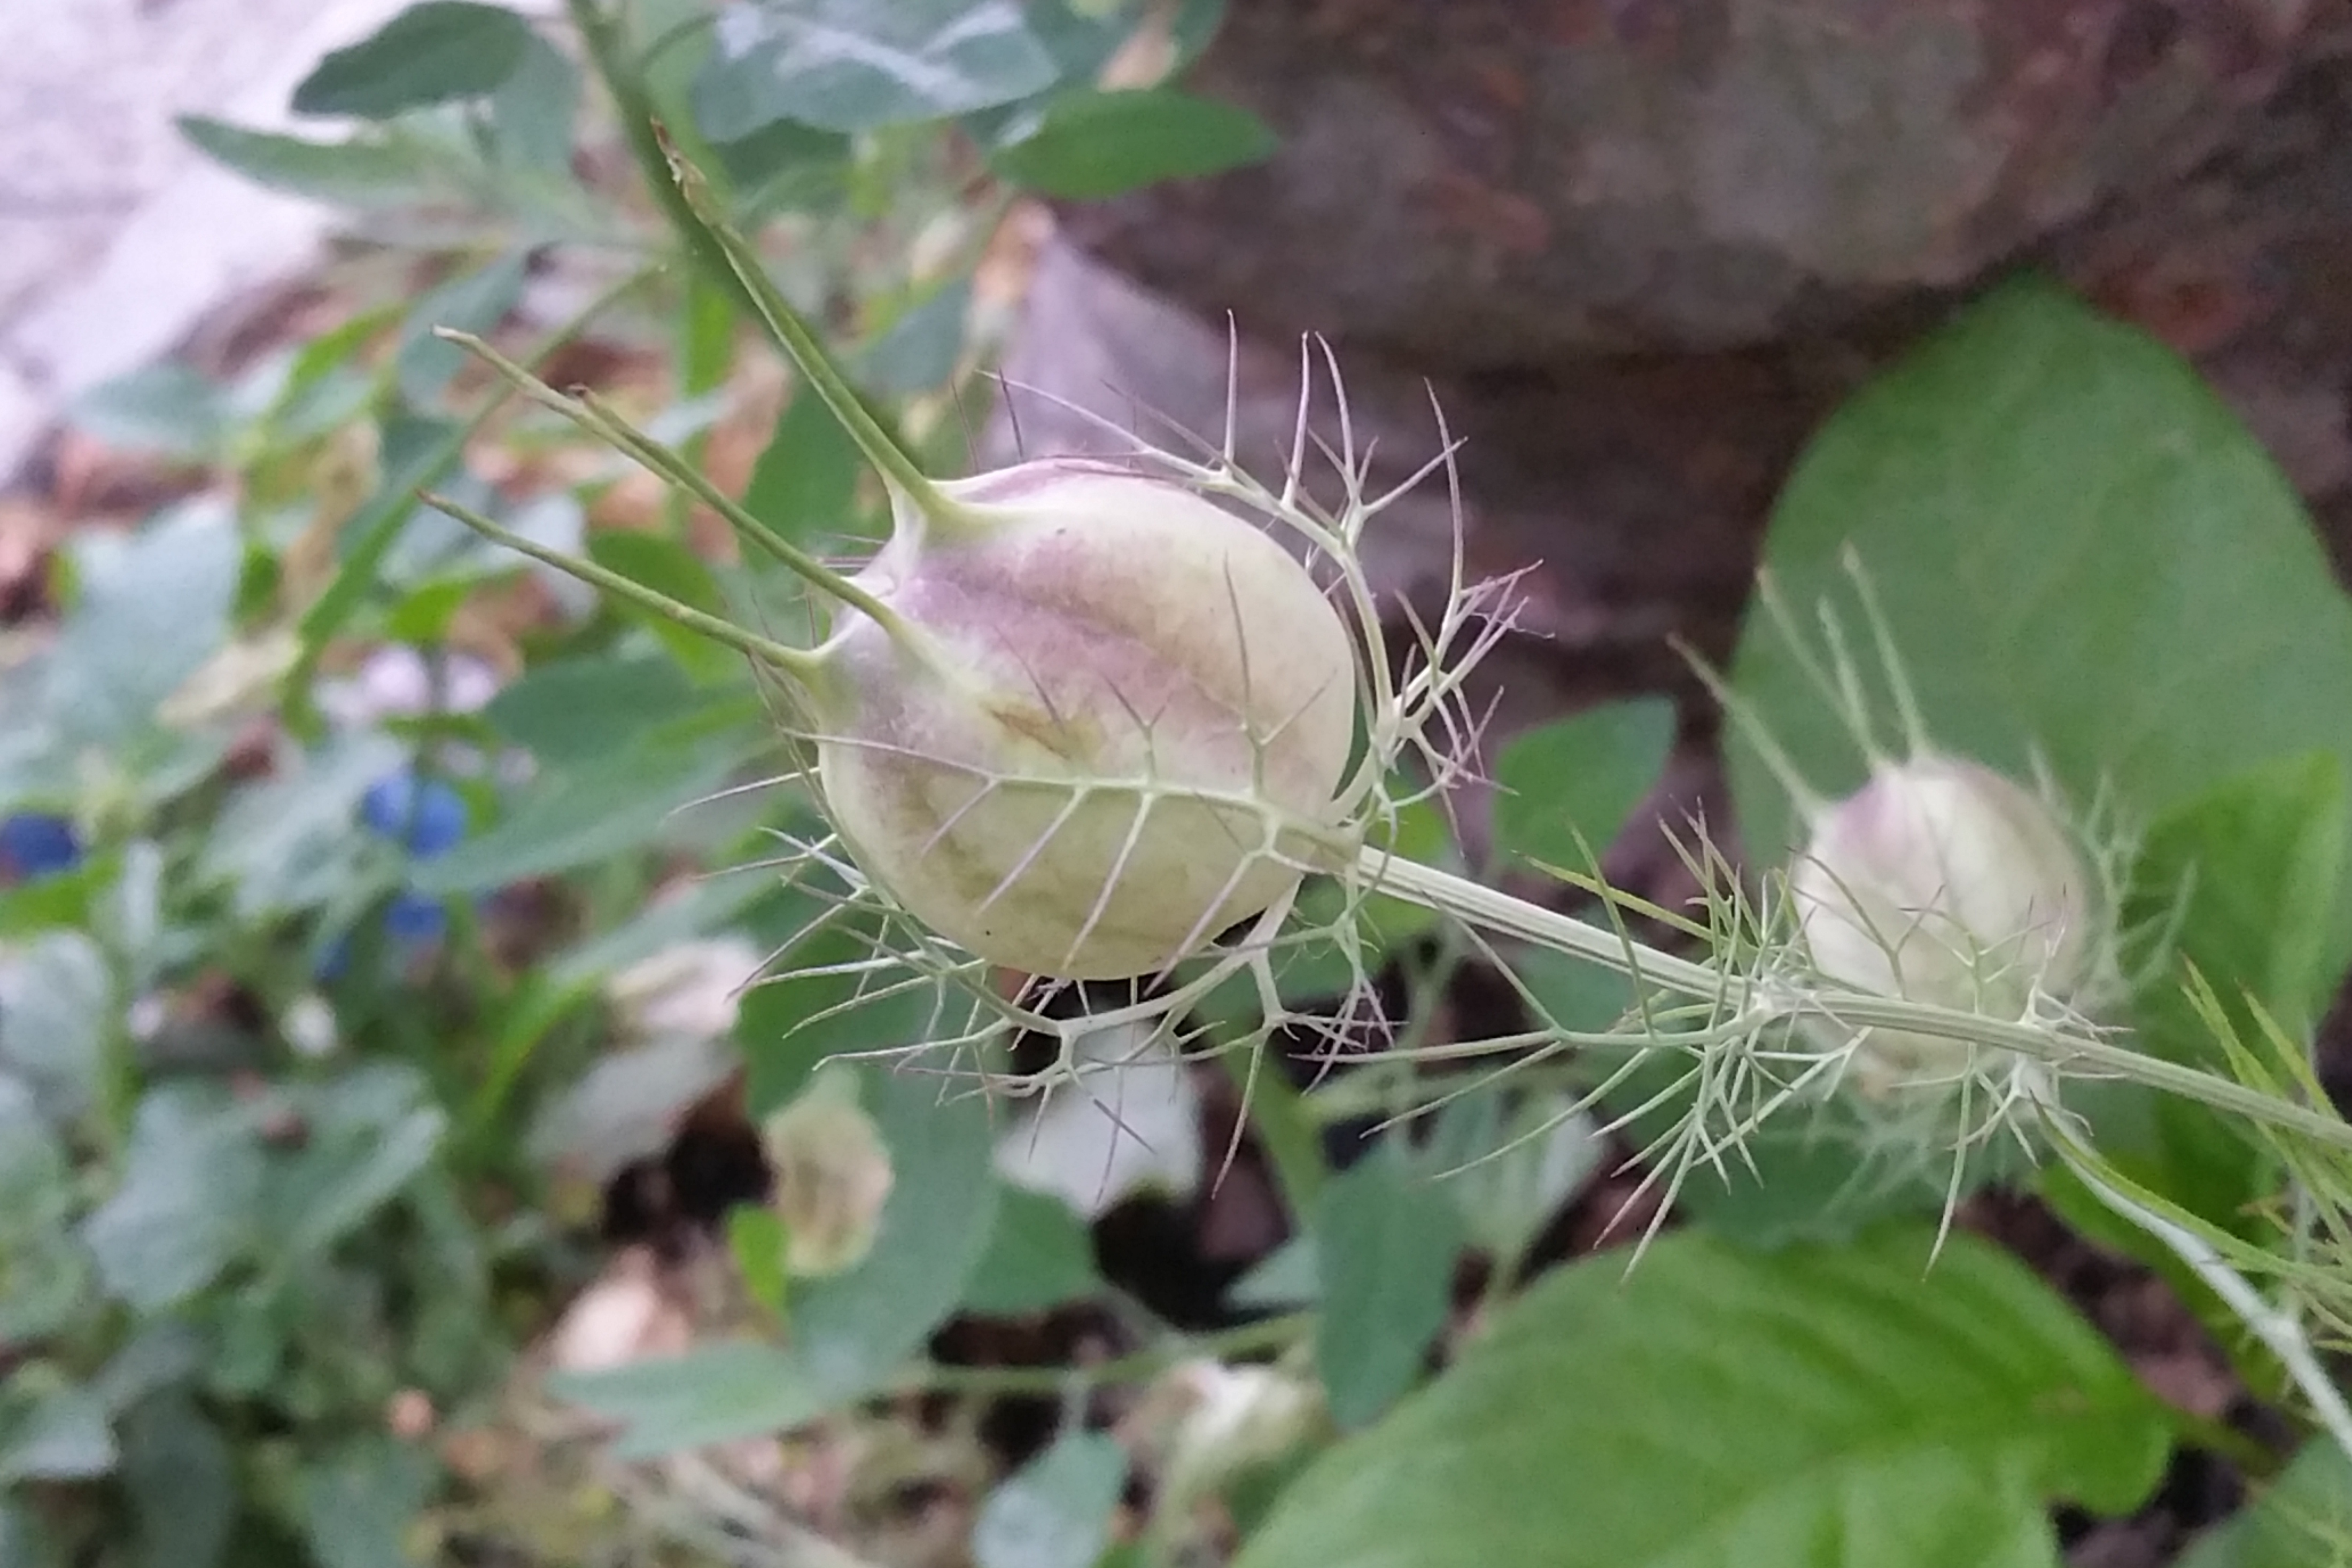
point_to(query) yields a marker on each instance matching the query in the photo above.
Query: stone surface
(116, 238)
(1637, 249)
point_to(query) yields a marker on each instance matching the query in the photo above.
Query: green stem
(2278, 1332)
(667, 465)
(707, 227)
(607, 50)
(1490, 909)
(805, 667)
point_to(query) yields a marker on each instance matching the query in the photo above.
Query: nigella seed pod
(1075, 717)
(1943, 881)
(1101, 720)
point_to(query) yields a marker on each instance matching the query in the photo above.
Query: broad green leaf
(716, 1393)
(288, 843)
(169, 410)
(570, 818)
(151, 606)
(1094, 145)
(474, 301)
(2250, 870)
(668, 567)
(61, 1435)
(1579, 775)
(369, 1135)
(1714, 1408)
(434, 52)
(920, 349)
(804, 484)
(1385, 1240)
(58, 1005)
(851, 66)
(361, 172)
(1282, 1279)
(182, 1483)
(44, 1276)
(572, 710)
(534, 112)
(1054, 1512)
(2080, 551)
(1039, 1255)
(357, 1503)
(186, 1205)
(852, 1330)
(791, 1023)
(25, 1539)
(2302, 1520)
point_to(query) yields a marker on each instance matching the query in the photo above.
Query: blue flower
(412, 919)
(34, 843)
(429, 814)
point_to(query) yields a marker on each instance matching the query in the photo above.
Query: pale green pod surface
(1942, 881)
(1109, 703)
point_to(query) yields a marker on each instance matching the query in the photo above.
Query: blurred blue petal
(431, 814)
(37, 844)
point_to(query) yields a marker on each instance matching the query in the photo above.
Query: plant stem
(798, 663)
(607, 49)
(1489, 909)
(2278, 1332)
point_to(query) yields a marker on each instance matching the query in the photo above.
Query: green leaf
(169, 410)
(1039, 1255)
(182, 1483)
(369, 1135)
(2080, 550)
(1054, 1512)
(44, 1277)
(357, 1505)
(716, 1394)
(535, 110)
(152, 607)
(474, 301)
(1385, 1240)
(26, 1541)
(804, 484)
(2249, 868)
(1282, 1279)
(1094, 145)
(361, 172)
(852, 66)
(570, 818)
(63, 1437)
(668, 567)
(1582, 774)
(56, 1008)
(574, 710)
(920, 349)
(288, 843)
(755, 1235)
(2303, 1519)
(1848, 1407)
(852, 1330)
(434, 52)
(186, 1206)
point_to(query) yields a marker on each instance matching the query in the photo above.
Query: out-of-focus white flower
(833, 1175)
(1942, 881)
(396, 681)
(692, 989)
(1130, 1124)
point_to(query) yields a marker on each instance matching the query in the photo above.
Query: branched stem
(1492, 911)
(2278, 1332)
